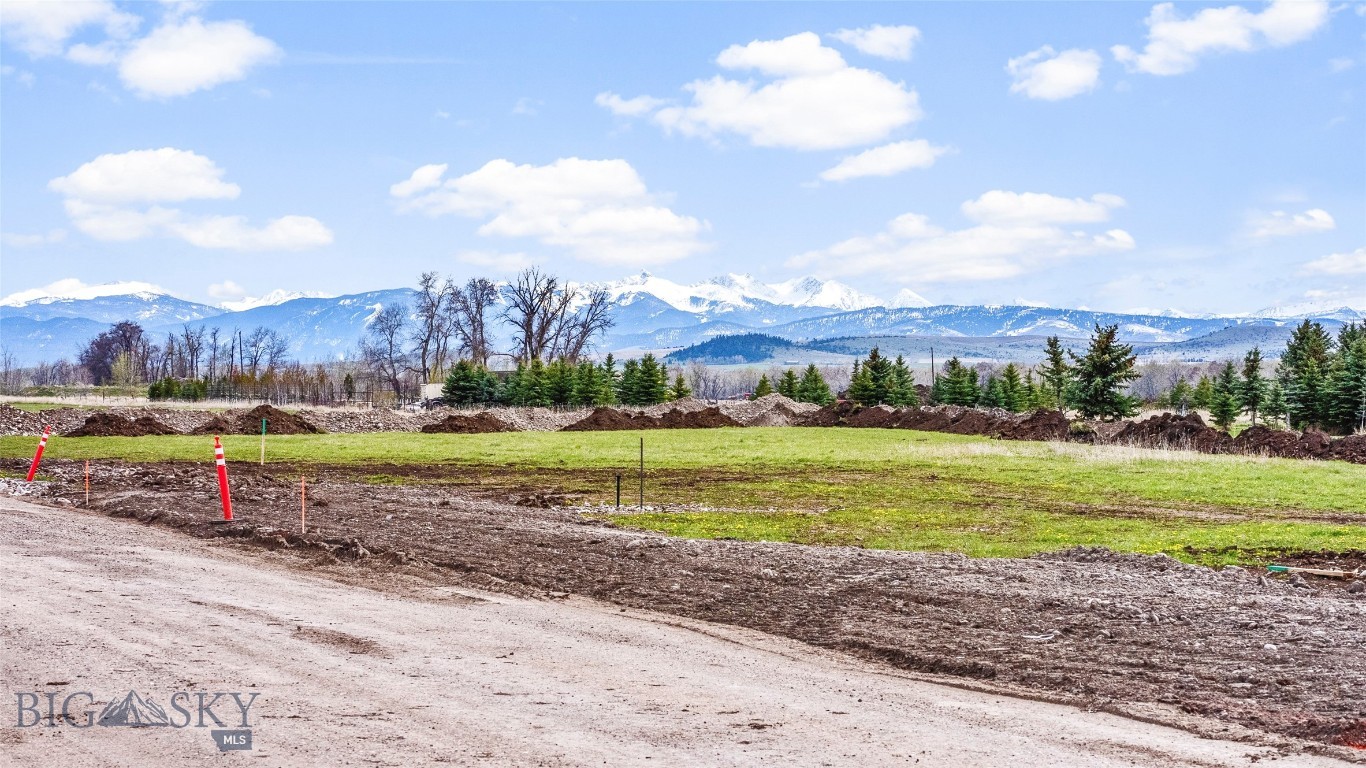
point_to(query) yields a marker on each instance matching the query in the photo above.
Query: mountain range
(653, 313)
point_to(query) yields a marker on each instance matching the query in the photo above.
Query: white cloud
(1175, 44)
(1282, 224)
(527, 107)
(227, 290)
(600, 210)
(181, 57)
(1049, 75)
(814, 100)
(1000, 207)
(72, 288)
(886, 160)
(1341, 64)
(637, 107)
(41, 28)
(105, 199)
(14, 240)
(1018, 234)
(146, 175)
(884, 42)
(1353, 263)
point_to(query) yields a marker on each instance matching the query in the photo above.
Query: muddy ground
(1143, 636)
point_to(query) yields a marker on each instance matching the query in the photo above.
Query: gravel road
(356, 667)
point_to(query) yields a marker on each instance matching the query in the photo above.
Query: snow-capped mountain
(732, 292)
(277, 296)
(147, 307)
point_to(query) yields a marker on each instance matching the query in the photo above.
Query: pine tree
(764, 388)
(1225, 406)
(536, 384)
(1055, 373)
(993, 395)
(958, 385)
(861, 388)
(1015, 396)
(559, 382)
(1037, 397)
(680, 388)
(787, 384)
(1252, 389)
(1203, 394)
(1101, 374)
(1274, 409)
(465, 385)
(1179, 397)
(879, 370)
(1307, 360)
(901, 389)
(586, 385)
(813, 387)
(653, 384)
(1306, 395)
(608, 381)
(628, 386)
(1346, 396)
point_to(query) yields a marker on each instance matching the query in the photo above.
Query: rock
(1357, 587)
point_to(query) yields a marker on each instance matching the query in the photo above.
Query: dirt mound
(1351, 448)
(832, 415)
(606, 419)
(1039, 425)
(877, 416)
(1188, 433)
(216, 425)
(467, 424)
(707, 418)
(111, 425)
(277, 423)
(773, 410)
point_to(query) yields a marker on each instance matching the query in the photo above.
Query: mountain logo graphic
(133, 711)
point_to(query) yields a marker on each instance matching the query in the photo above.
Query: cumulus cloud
(1051, 76)
(1176, 44)
(886, 160)
(1018, 233)
(42, 28)
(1282, 224)
(1353, 263)
(884, 42)
(637, 107)
(227, 290)
(121, 197)
(599, 210)
(181, 55)
(812, 100)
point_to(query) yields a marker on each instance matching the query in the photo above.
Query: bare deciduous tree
(541, 309)
(431, 329)
(469, 315)
(383, 349)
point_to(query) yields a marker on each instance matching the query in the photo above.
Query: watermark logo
(187, 709)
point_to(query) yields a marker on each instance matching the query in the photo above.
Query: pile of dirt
(1040, 425)
(1286, 444)
(773, 410)
(104, 424)
(277, 423)
(216, 425)
(608, 419)
(1351, 448)
(467, 424)
(1187, 433)
(832, 415)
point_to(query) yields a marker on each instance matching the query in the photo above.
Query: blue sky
(1121, 156)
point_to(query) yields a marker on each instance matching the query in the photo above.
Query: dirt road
(411, 672)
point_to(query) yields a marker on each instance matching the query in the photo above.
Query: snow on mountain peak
(907, 298)
(277, 296)
(737, 290)
(72, 289)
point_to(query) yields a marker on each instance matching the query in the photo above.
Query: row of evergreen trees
(1324, 379)
(810, 388)
(639, 382)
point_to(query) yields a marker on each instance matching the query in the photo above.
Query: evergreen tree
(680, 388)
(764, 388)
(1055, 373)
(1252, 389)
(608, 381)
(1102, 374)
(1014, 395)
(861, 387)
(787, 384)
(1203, 394)
(1304, 365)
(1180, 396)
(653, 383)
(993, 395)
(901, 389)
(1225, 407)
(586, 385)
(1274, 409)
(1346, 396)
(1036, 396)
(813, 387)
(958, 384)
(535, 384)
(467, 384)
(559, 382)
(628, 386)
(1305, 396)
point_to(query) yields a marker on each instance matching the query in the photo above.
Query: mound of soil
(277, 423)
(605, 419)
(1282, 443)
(1187, 433)
(214, 426)
(707, 418)
(1039, 425)
(1351, 448)
(832, 415)
(104, 424)
(877, 416)
(464, 424)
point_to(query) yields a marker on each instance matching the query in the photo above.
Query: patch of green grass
(893, 489)
(38, 407)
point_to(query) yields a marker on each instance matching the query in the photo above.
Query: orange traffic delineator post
(222, 479)
(38, 457)
(303, 502)
(87, 482)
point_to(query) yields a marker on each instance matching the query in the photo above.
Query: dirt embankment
(604, 419)
(112, 425)
(469, 424)
(1125, 633)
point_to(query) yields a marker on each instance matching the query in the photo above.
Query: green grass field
(892, 489)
